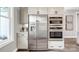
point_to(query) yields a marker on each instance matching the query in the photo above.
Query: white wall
(71, 34)
(12, 46)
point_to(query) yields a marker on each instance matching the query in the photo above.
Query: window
(69, 22)
(4, 23)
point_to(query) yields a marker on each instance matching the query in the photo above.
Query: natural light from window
(4, 24)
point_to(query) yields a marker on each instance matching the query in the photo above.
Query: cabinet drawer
(55, 45)
(23, 38)
(22, 35)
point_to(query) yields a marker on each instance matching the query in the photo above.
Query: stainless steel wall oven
(55, 34)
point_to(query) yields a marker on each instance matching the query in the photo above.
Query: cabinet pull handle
(52, 46)
(37, 12)
(59, 46)
(56, 12)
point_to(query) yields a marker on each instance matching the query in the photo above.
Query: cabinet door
(22, 40)
(56, 10)
(60, 10)
(23, 15)
(51, 10)
(43, 10)
(32, 10)
(22, 43)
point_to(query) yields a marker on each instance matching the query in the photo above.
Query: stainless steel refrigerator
(38, 38)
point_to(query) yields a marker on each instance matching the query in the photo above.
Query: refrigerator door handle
(31, 28)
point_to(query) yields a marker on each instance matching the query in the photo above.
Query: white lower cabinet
(55, 44)
(22, 40)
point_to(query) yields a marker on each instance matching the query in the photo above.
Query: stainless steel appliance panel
(38, 32)
(41, 33)
(32, 32)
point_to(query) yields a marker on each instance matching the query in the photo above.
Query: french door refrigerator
(38, 39)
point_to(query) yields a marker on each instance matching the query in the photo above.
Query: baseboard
(15, 50)
(69, 37)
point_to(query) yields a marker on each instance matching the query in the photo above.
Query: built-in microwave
(55, 21)
(56, 34)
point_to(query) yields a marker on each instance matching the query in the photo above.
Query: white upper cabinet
(37, 10)
(23, 15)
(32, 10)
(56, 10)
(51, 10)
(42, 10)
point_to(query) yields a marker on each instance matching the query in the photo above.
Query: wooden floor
(70, 46)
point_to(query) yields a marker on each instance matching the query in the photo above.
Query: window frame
(11, 29)
(69, 22)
